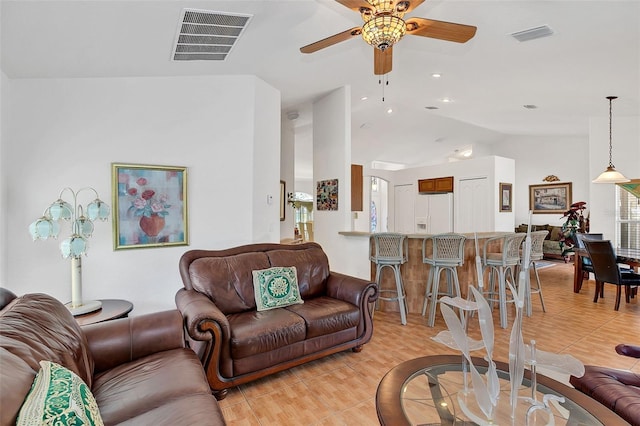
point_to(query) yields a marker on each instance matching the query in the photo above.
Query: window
(627, 219)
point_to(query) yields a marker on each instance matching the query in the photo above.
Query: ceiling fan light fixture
(383, 31)
(610, 175)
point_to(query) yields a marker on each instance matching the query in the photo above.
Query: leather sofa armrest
(628, 350)
(208, 333)
(123, 340)
(195, 308)
(350, 289)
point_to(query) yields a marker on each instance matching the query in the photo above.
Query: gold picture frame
(550, 198)
(149, 206)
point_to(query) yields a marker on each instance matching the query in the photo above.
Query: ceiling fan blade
(355, 4)
(331, 40)
(442, 30)
(382, 60)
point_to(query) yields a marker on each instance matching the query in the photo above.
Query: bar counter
(415, 272)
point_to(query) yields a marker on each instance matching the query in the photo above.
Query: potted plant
(575, 222)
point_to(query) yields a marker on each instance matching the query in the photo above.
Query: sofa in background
(617, 389)
(237, 343)
(138, 369)
(551, 245)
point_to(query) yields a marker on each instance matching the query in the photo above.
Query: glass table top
(433, 396)
(430, 391)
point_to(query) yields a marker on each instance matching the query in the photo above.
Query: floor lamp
(81, 219)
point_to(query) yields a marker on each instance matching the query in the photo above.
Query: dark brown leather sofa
(617, 389)
(237, 343)
(137, 368)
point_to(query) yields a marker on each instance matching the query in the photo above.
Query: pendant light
(610, 175)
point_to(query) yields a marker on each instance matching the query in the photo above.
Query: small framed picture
(506, 197)
(149, 206)
(550, 198)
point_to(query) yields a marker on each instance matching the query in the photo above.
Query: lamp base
(87, 306)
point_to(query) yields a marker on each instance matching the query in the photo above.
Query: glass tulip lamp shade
(76, 245)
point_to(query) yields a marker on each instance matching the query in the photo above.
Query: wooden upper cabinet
(356, 188)
(441, 184)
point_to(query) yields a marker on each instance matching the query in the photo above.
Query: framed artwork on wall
(327, 194)
(550, 198)
(506, 197)
(283, 199)
(149, 206)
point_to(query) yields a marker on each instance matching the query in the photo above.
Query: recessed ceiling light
(389, 111)
(446, 100)
(364, 98)
(431, 107)
(436, 75)
(530, 106)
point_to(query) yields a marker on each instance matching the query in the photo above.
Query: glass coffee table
(425, 391)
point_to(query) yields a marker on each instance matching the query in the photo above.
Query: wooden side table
(111, 309)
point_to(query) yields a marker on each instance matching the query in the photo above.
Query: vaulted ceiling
(594, 52)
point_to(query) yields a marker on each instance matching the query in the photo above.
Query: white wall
(67, 132)
(495, 169)
(566, 157)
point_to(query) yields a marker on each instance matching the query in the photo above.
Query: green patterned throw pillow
(58, 397)
(276, 287)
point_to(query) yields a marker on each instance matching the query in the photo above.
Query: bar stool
(537, 239)
(391, 249)
(447, 255)
(502, 265)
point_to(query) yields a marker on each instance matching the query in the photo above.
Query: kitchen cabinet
(356, 188)
(436, 185)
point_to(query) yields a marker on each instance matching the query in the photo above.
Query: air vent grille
(532, 33)
(207, 35)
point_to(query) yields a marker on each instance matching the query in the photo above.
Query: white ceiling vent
(532, 33)
(205, 35)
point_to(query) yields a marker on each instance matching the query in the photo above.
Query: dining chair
(607, 270)
(587, 266)
(391, 250)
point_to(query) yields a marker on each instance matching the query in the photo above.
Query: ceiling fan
(384, 26)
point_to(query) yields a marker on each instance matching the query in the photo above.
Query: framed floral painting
(149, 206)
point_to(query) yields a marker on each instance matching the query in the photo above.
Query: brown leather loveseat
(137, 368)
(237, 343)
(617, 389)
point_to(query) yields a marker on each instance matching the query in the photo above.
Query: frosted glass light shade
(611, 175)
(44, 228)
(60, 210)
(84, 226)
(98, 209)
(74, 246)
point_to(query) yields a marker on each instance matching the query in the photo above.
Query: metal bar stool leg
(427, 293)
(502, 296)
(435, 289)
(402, 303)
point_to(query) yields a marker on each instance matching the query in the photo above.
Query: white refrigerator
(434, 213)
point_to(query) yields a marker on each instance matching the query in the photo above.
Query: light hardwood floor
(340, 389)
